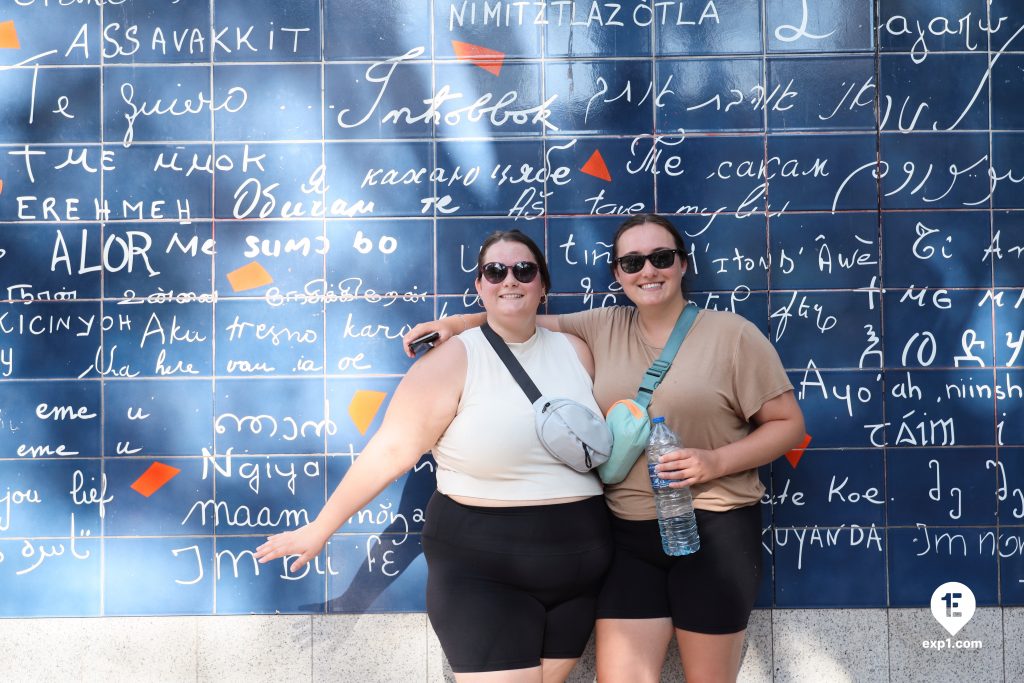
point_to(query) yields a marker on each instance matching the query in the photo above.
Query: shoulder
(565, 338)
(732, 337)
(571, 345)
(612, 318)
(603, 314)
(725, 323)
(597, 326)
(618, 312)
(444, 364)
(550, 339)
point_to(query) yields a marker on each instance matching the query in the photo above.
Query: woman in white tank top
(516, 542)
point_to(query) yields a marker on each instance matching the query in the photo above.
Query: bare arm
(423, 406)
(780, 427)
(452, 325)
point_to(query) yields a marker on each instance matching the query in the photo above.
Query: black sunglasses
(660, 259)
(495, 273)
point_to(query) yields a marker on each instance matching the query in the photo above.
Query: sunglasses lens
(631, 263)
(634, 263)
(525, 271)
(662, 259)
(495, 272)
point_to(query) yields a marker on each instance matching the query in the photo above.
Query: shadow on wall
(368, 584)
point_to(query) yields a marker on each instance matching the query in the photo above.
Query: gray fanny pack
(571, 432)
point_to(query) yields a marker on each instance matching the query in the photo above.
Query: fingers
(682, 471)
(267, 552)
(275, 546)
(299, 564)
(287, 545)
(684, 476)
(675, 461)
(677, 475)
(674, 455)
(412, 334)
(418, 331)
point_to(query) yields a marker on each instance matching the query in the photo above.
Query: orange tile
(794, 455)
(364, 407)
(249, 276)
(8, 35)
(485, 58)
(154, 478)
(596, 167)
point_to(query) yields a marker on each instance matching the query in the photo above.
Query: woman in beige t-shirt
(728, 397)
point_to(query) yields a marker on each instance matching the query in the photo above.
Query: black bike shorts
(710, 591)
(509, 586)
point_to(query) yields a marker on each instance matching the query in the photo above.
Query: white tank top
(491, 450)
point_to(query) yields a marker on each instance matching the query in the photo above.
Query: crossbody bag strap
(512, 363)
(655, 373)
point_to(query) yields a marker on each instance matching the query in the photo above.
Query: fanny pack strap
(512, 363)
(655, 373)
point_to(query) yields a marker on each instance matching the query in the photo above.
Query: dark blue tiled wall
(218, 218)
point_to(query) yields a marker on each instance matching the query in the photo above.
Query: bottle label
(656, 481)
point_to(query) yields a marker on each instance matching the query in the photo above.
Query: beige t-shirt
(724, 372)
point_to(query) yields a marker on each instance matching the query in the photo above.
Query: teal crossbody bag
(628, 419)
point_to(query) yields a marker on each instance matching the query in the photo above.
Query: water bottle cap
(657, 420)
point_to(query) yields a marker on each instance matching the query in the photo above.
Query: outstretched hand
(688, 466)
(306, 542)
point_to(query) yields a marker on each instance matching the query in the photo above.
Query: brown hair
(521, 238)
(653, 219)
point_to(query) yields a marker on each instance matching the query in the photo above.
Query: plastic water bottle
(676, 520)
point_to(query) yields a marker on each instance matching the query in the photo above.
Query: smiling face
(509, 298)
(650, 286)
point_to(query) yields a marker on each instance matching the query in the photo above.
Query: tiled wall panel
(217, 218)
